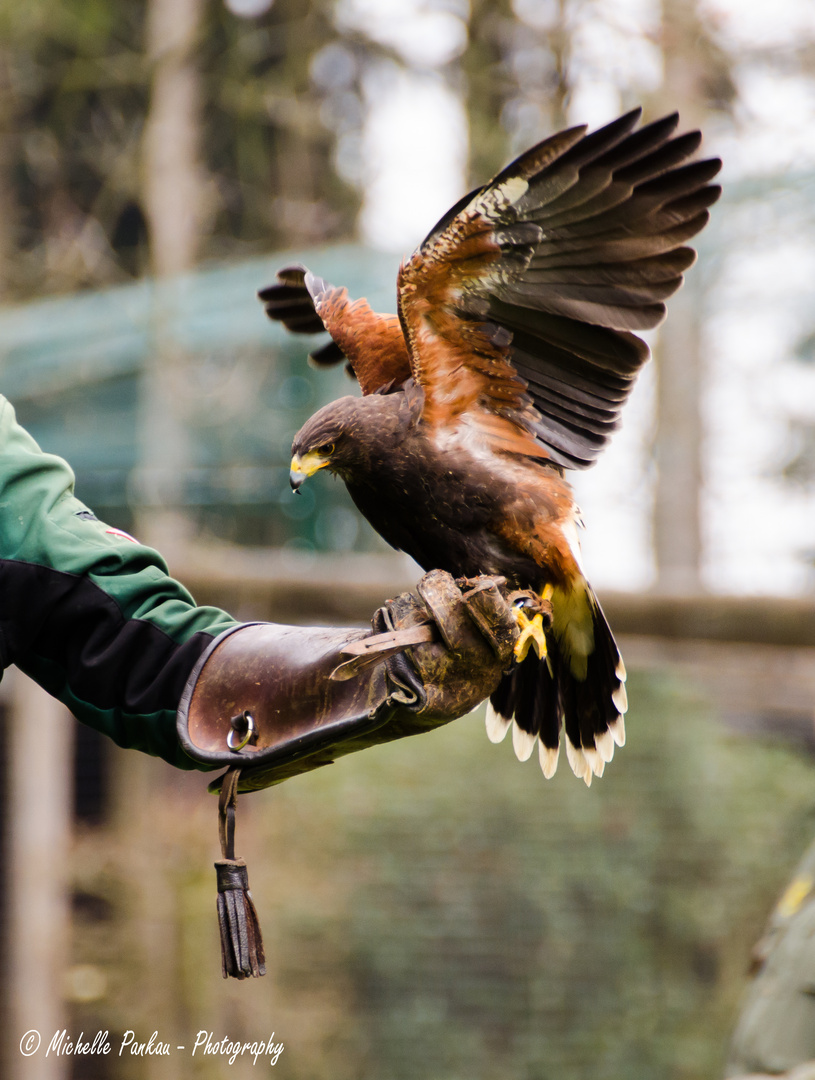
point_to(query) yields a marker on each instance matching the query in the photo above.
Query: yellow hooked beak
(303, 467)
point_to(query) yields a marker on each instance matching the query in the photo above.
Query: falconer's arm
(94, 617)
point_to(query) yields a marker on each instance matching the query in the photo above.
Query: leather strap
(374, 650)
(227, 806)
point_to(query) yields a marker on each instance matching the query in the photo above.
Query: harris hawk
(513, 351)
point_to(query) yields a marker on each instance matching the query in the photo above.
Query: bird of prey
(513, 351)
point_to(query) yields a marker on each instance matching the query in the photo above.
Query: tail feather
(580, 687)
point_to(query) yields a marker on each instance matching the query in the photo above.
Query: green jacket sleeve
(89, 613)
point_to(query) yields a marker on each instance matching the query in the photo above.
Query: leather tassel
(241, 942)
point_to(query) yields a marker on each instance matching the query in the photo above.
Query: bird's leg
(533, 631)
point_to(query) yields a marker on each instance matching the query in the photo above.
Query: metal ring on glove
(237, 723)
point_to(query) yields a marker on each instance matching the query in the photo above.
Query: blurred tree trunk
(173, 199)
(8, 210)
(39, 836)
(173, 182)
(488, 87)
(496, 35)
(679, 435)
(558, 42)
(300, 194)
(678, 446)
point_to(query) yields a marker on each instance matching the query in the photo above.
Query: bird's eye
(326, 450)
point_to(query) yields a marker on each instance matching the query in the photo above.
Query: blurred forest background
(430, 910)
(145, 137)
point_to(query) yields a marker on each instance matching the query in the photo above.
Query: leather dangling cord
(241, 941)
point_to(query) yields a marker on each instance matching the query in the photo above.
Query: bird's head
(326, 440)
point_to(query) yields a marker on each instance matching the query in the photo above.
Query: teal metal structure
(75, 366)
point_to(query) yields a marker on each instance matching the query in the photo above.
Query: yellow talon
(531, 634)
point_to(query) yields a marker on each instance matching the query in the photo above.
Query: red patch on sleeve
(122, 535)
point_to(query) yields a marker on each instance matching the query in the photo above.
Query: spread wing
(521, 307)
(372, 344)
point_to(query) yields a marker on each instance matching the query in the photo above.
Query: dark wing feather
(568, 253)
(289, 301)
(372, 344)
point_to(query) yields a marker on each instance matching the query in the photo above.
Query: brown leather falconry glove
(280, 700)
(272, 701)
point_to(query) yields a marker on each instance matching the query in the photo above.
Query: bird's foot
(532, 636)
(533, 630)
